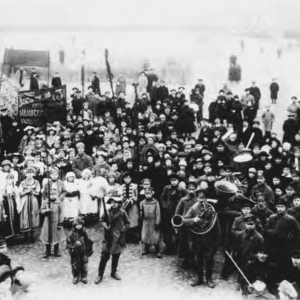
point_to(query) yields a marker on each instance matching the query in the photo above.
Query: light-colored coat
(151, 216)
(268, 119)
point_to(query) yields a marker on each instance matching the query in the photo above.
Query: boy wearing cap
(169, 200)
(151, 221)
(262, 188)
(82, 161)
(115, 225)
(79, 246)
(261, 273)
(182, 208)
(282, 234)
(246, 243)
(294, 211)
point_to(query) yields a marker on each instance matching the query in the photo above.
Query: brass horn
(177, 221)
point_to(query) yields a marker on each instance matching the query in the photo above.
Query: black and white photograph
(149, 149)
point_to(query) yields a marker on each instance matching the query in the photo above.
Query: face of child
(262, 256)
(78, 226)
(246, 211)
(278, 192)
(127, 179)
(3, 249)
(296, 202)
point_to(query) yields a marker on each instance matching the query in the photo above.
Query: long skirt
(30, 214)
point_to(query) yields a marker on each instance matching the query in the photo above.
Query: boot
(115, 276)
(31, 237)
(48, 251)
(75, 280)
(210, 283)
(114, 266)
(98, 279)
(56, 251)
(84, 280)
(144, 249)
(158, 251)
(197, 282)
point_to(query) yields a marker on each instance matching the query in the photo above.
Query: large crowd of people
(161, 158)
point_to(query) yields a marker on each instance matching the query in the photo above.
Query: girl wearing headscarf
(29, 210)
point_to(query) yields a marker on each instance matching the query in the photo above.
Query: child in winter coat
(151, 218)
(79, 246)
(71, 201)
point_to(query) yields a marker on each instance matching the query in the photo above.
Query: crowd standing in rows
(156, 168)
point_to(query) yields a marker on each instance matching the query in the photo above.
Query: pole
(238, 268)
(48, 68)
(110, 75)
(2, 71)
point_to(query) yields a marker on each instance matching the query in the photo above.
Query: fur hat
(77, 221)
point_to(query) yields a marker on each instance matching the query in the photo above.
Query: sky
(36, 14)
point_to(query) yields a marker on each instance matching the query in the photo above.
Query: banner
(39, 107)
(30, 58)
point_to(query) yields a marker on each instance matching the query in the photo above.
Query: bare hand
(197, 219)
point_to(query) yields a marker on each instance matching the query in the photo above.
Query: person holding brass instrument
(130, 205)
(204, 245)
(183, 207)
(115, 223)
(169, 201)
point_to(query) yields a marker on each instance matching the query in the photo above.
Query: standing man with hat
(52, 207)
(246, 244)
(5, 126)
(205, 246)
(96, 84)
(115, 225)
(82, 161)
(169, 201)
(282, 234)
(182, 208)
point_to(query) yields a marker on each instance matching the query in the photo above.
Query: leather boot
(48, 251)
(210, 283)
(114, 266)
(75, 280)
(197, 282)
(56, 251)
(98, 279)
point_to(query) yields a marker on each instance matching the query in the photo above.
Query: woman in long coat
(9, 209)
(29, 210)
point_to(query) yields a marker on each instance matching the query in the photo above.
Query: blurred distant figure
(143, 83)
(268, 119)
(34, 82)
(96, 84)
(20, 76)
(56, 81)
(121, 84)
(274, 88)
(151, 79)
(255, 92)
(200, 85)
(33, 72)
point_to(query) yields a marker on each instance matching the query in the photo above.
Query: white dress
(87, 205)
(71, 203)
